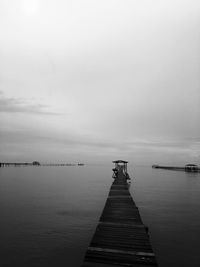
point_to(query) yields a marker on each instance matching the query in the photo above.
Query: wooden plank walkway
(120, 238)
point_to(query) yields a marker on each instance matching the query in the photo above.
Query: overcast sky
(100, 80)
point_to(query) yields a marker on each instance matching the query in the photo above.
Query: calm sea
(48, 214)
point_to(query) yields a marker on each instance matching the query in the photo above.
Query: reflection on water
(48, 214)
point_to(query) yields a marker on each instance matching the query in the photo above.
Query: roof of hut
(120, 161)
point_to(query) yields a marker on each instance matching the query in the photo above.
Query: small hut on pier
(191, 168)
(36, 163)
(120, 164)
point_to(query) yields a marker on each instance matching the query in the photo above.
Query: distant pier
(19, 164)
(36, 163)
(120, 239)
(186, 168)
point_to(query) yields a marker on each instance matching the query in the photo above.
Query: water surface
(49, 214)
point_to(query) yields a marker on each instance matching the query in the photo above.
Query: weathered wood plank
(120, 239)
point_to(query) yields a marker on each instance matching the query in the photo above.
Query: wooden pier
(36, 163)
(186, 168)
(120, 239)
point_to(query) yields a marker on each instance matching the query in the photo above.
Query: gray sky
(100, 80)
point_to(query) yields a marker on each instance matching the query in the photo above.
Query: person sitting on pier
(115, 172)
(127, 176)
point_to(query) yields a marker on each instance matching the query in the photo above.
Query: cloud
(78, 140)
(27, 144)
(19, 105)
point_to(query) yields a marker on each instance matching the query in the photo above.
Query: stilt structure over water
(120, 239)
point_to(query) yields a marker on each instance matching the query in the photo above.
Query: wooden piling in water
(120, 239)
